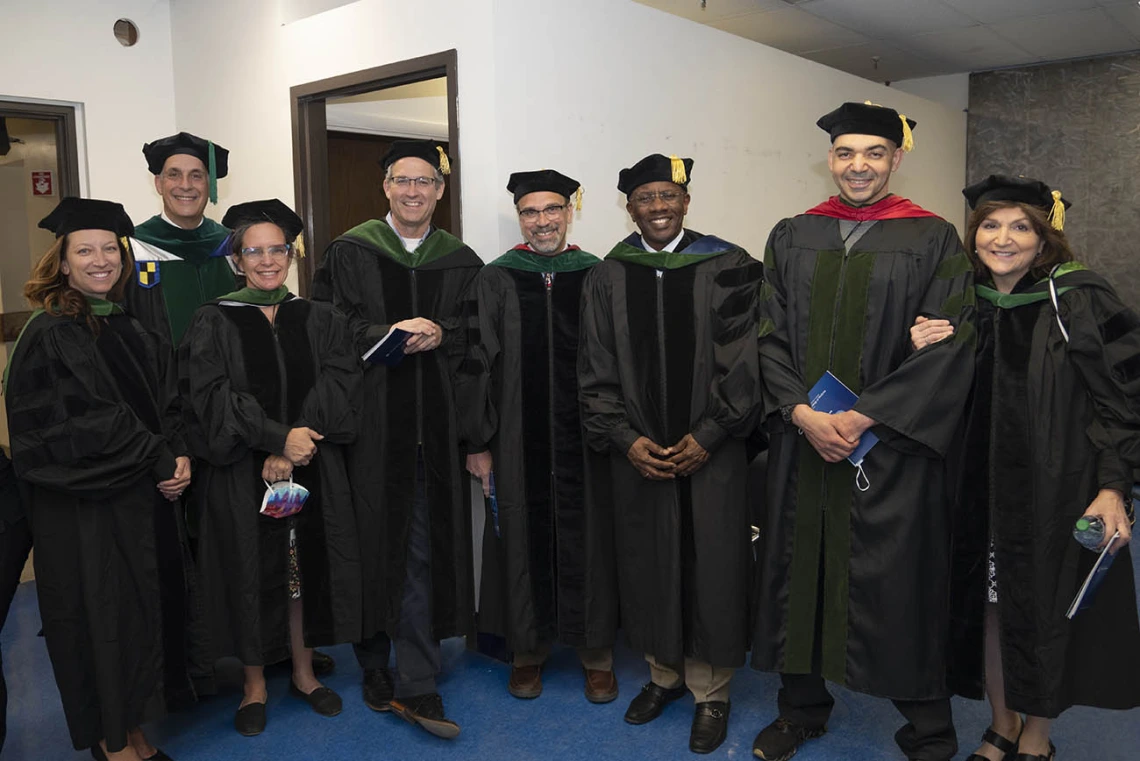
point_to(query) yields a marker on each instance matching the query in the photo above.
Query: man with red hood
(853, 571)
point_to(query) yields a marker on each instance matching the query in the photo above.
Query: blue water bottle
(1089, 532)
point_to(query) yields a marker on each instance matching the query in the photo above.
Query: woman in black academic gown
(271, 385)
(1053, 433)
(96, 437)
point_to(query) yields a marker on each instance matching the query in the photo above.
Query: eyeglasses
(277, 253)
(420, 182)
(553, 210)
(667, 196)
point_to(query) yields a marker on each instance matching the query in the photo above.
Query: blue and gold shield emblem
(149, 274)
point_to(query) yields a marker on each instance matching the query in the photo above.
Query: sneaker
(780, 740)
(427, 711)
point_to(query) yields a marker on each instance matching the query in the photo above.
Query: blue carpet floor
(558, 725)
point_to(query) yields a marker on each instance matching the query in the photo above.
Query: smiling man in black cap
(182, 263)
(669, 389)
(415, 530)
(853, 571)
(547, 553)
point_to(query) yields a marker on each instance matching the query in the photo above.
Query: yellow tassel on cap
(1057, 213)
(299, 246)
(126, 244)
(444, 164)
(578, 199)
(908, 136)
(679, 175)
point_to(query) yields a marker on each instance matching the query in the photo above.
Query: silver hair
(438, 174)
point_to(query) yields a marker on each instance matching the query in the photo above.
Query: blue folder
(830, 395)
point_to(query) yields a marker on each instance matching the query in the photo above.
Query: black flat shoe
(649, 703)
(710, 726)
(780, 740)
(250, 719)
(1038, 757)
(1004, 744)
(322, 700)
(426, 711)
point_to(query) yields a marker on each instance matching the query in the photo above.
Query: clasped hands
(300, 447)
(659, 463)
(425, 334)
(834, 436)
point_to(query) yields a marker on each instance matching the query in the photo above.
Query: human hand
(651, 460)
(425, 334)
(173, 487)
(688, 456)
(822, 433)
(479, 465)
(925, 331)
(1108, 505)
(276, 468)
(301, 445)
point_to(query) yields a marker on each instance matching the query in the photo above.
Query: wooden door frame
(67, 165)
(310, 142)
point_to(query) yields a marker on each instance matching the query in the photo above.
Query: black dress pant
(417, 651)
(927, 736)
(15, 544)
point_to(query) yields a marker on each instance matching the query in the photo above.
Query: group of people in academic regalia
(914, 541)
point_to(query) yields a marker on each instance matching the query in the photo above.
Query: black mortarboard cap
(160, 150)
(269, 210)
(544, 180)
(868, 118)
(428, 150)
(73, 214)
(999, 187)
(655, 168)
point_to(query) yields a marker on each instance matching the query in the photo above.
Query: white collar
(166, 219)
(671, 246)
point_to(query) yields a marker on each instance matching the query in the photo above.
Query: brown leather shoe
(601, 686)
(526, 682)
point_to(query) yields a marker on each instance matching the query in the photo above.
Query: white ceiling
(922, 38)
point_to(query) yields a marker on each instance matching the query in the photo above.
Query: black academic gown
(668, 347)
(879, 611)
(92, 434)
(367, 274)
(1036, 454)
(15, 544)
(548, 573)
(246, 383)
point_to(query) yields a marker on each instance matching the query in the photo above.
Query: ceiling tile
(1076, 34)
(889, 18)
(988, 11)
(894, 64)
(974, 48)
(791, 30)
(714, 10)
(1127, 15)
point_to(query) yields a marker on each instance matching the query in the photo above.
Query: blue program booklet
(830, 395)
(389, 350)
(1094, 579)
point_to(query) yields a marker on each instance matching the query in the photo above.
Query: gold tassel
(679, 176)
(126, 244)
(578, 199)
(1057, 213)
(908, 136)
(299, 246)
(444, 164)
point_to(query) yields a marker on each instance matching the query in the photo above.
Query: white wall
(951, 90)
(632, 81)
(65, 50)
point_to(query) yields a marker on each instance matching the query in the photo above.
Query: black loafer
(250, 719)
(780, 740)
(710, 726)
(322, 700)
(377, 689)
(649, 703)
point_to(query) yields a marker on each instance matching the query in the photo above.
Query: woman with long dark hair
(96, 435)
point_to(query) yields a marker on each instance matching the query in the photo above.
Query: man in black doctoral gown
(410, 490)
(669, 389)
(853, 575)
(548, 566)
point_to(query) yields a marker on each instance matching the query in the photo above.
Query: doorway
(341, 127)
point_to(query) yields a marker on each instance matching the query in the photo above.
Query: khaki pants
(593, 658)
(705, 681)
